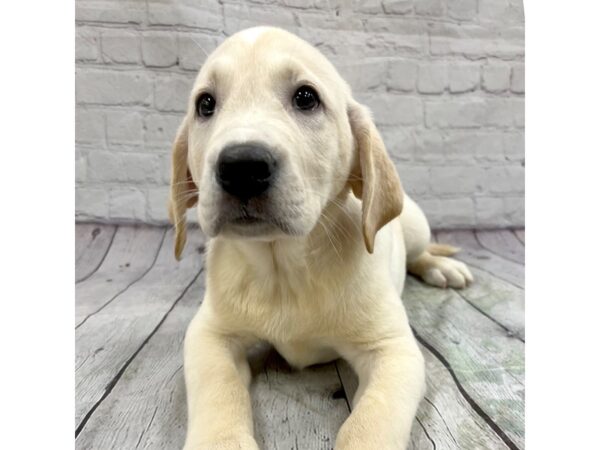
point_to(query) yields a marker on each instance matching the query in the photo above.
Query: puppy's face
(271, 136)
(269, 139)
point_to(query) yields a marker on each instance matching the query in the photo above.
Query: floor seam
(493, 425)
(128, 286)
(110, 386)
(103, 257)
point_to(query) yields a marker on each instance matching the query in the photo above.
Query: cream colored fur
(330, 285)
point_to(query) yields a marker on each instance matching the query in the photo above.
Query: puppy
(311, 236)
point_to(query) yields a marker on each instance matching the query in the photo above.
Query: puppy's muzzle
(246, 171)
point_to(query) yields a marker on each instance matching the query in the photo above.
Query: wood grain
(92, 241)
(503, 243)
(107, 341)
(132, 254)
(488, 363)
(147, 407)
(520, 234)
(295, 409)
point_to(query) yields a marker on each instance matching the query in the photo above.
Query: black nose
(245, 171)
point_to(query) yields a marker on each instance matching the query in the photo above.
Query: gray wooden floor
(134, 301)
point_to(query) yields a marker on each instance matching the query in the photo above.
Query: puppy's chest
(281, 312)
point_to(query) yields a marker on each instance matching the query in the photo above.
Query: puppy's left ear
(374, 178)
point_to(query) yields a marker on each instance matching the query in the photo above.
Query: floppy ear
(374, 178)
(184, 193)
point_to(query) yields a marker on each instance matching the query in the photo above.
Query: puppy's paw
(441, 271)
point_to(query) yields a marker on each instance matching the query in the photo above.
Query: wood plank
(295, 409)
(503, 243)
(445, 419)
(147, 407)
(92, 241)
(131, 255)
(487, 363)
(475, 255)
(499, 300)
(107, 341)
(520, 234)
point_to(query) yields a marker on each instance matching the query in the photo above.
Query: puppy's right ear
(184, 193)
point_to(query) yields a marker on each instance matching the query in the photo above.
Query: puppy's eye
(306, 99)
(205, 105)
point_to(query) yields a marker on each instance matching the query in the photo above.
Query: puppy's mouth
(242, 221)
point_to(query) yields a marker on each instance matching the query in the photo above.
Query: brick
(127, 204)
(87, 44)
(123, 167)
(495, 78)
(400, 143)
(474, 113)
(325, 4)
(194, 48)
(369, 6)
(449, 212)
(392, 44)
(502, 180)
(489, 212)
(89, 126)
(514, 210)
(514, 147)
(187, 13)
(475, 41)
(80, 166)
(455, 114)
(391, 109)
(463, 77)
(112, 87)
(363, 75)
(462, 9)
(504, 112)
(121, 46)
(91, 203)
(159, 49)
(158, 200)
(124, 127)
(517, 79)
(243, 15)
(115, 11)
(434, 8)
(518, 110)
(171, 92)
(474, 146)
(160, 129)
(449, 180)
(432, 78)
(164, 167)
(301, 4)
(397, 6)
(501, 11)
(429, 146)
(402, 75)
(415, 179)
(318, 20)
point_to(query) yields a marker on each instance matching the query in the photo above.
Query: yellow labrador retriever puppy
(311, 235)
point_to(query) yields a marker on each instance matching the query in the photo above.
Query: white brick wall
(444, 78)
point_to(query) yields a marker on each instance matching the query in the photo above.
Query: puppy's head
(271, 136)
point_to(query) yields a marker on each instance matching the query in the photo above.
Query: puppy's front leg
(217, 376)
(391, 376)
